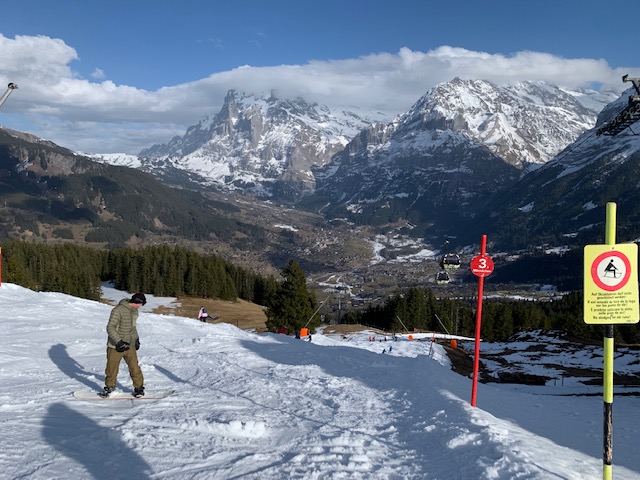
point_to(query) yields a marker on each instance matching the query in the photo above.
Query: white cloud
(98, 74)
(100, 116)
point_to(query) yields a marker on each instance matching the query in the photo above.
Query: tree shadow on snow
(432, 416)
(169, 375)
(412, 391)
(101, 451)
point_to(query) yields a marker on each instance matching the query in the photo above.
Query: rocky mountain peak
(452, 152)
(264, 144)
(524, 123)
(462, 138)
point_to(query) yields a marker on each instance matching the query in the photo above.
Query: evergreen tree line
(175, 271)
(159, 270)
(420, 309)
(65, 268)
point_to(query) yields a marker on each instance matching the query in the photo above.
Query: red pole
(476, 358)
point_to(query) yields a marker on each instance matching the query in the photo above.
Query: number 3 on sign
(481, 266)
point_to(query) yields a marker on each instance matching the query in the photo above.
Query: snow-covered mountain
(118, 159)
(564, 201)
(262, 144)
(460, 143)
(528, 122)
(275, 147)
(438, 165)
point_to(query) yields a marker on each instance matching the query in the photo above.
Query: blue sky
(120, 76)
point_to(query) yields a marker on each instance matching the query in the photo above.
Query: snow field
(272, 407)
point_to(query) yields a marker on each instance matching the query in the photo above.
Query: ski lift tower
(10, 88)
(628, 116)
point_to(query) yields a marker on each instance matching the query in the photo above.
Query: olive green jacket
(122, 324)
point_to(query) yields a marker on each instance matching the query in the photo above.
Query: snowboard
(150, 395)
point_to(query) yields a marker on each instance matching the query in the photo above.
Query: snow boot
(138, 392)
(106, 392)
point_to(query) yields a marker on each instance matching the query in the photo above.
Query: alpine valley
(358, 199)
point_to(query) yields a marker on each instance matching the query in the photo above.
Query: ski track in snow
(271, 407)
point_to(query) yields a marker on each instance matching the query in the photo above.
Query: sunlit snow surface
(268, 406)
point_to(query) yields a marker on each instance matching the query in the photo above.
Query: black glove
(137, 344)
(122, 346)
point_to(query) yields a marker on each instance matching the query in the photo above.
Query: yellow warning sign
(611, 284)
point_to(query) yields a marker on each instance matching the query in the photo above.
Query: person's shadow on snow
(101, 451)
(66, 364)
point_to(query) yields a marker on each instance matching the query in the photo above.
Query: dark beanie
(138, 298)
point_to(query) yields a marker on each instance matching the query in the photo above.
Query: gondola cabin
(450, 260)
(442, 277)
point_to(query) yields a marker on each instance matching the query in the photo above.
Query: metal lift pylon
(10, 88)
(628, 116)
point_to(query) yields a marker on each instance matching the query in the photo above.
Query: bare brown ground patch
(242, 314)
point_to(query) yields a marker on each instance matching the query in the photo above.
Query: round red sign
(481, 266)
(611, 271)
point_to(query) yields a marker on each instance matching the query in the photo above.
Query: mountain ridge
(428, 178)
(273, 147)
(47, 188)
(260, 144)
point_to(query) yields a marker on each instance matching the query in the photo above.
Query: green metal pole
(607, 377)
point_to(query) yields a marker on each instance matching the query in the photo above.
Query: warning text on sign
(605, 307)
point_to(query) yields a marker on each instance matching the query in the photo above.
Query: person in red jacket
(123, 343)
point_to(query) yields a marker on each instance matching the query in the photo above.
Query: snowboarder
(123, 342)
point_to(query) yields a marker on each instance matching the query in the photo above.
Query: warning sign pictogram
(611, 270)
(611, 284)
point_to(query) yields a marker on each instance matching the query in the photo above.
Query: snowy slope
(272, 407)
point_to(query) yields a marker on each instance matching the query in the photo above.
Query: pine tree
(292, 306)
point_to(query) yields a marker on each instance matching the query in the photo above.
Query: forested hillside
(161, 270)
(48, 191)
(176, 271)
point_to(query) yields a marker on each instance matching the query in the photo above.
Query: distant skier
(203, 315)
(122, 334)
